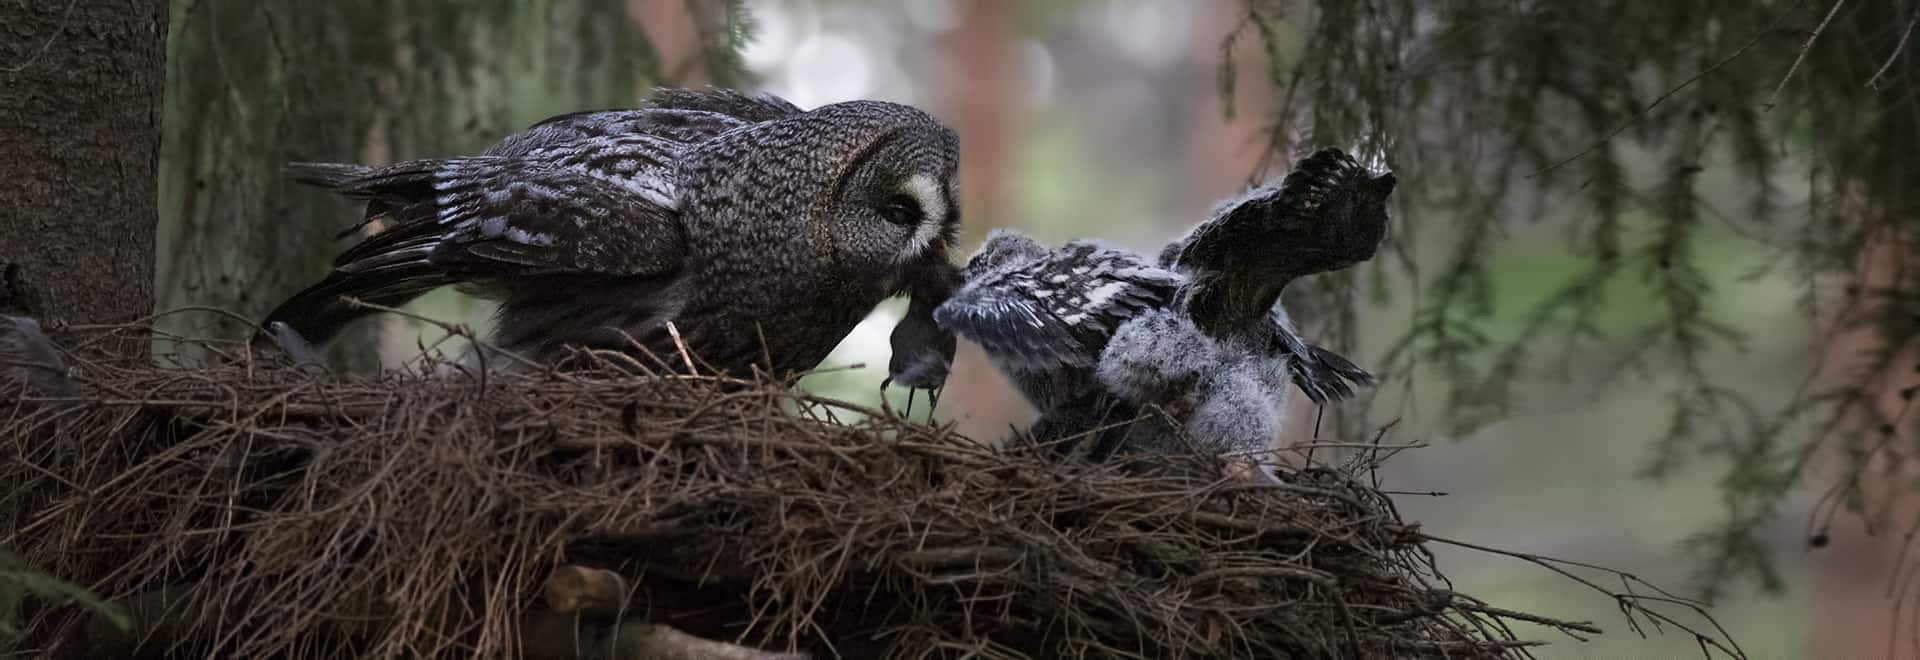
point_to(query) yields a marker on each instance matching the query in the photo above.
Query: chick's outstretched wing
(1059, 310)
(1328, 213)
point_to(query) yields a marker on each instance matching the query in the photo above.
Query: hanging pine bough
(256, 509)
(1655, 135)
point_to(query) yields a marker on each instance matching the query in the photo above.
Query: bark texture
(80, 92)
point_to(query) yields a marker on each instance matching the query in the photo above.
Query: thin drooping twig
(681, 344)
(1629, 602)
(1894, 56)
(1622, 128)
(1804, 49)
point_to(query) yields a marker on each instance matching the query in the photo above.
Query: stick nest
(313, 515)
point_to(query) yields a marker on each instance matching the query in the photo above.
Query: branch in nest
(169, 618)
(555, 636)
(585, 591)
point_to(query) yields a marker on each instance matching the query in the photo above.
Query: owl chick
(763, 233)
(28, 357)
(1327, 214)
(1092, 335)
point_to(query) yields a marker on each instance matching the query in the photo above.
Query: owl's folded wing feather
(473, 219)
(746, 107)
(686, 126)
(1057, 311)
(680, 115)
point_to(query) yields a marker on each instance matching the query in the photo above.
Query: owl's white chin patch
(933, 206)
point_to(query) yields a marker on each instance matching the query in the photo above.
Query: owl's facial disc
(930, 217)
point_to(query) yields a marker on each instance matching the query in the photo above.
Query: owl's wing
(752, 108)
(590, 212)
(680, 115)
(1057, 311)
(686, 126)
(635, 133)
(1322, 374)
(1328, 376)
(1254, 245)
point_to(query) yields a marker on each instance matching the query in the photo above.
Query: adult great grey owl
(763, 233)
(1094, 335)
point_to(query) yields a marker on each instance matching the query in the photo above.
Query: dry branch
(163, 620)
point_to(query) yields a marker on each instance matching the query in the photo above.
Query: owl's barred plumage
(1094, 336)
(1029, 306)
(762, 232)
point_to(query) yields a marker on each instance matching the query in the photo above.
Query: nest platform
(252, 509)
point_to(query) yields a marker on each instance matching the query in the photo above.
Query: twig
(1669, 93)
(1628, 602)
(1874, 82)
(682, 346)
(1804, 48)
(1579, 626)
(452, 329)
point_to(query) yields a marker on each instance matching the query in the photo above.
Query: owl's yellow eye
(902, 209)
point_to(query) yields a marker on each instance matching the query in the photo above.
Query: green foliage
(1499, 114)
(17, 584)
(254, 85)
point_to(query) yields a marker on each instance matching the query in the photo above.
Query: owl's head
(869, 186)
(1003, 248)
(896, 200)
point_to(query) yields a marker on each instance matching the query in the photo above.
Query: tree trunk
(979, 103)
(80, 86)
(674, 30)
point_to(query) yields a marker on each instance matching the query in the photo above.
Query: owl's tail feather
(412, 179)
(1327, 376)
(400, 192)
(400, 183)
(332, 176)
(1340, 366)
(320, 311)
(389, 268)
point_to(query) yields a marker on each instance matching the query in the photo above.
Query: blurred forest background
(1629, 249)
